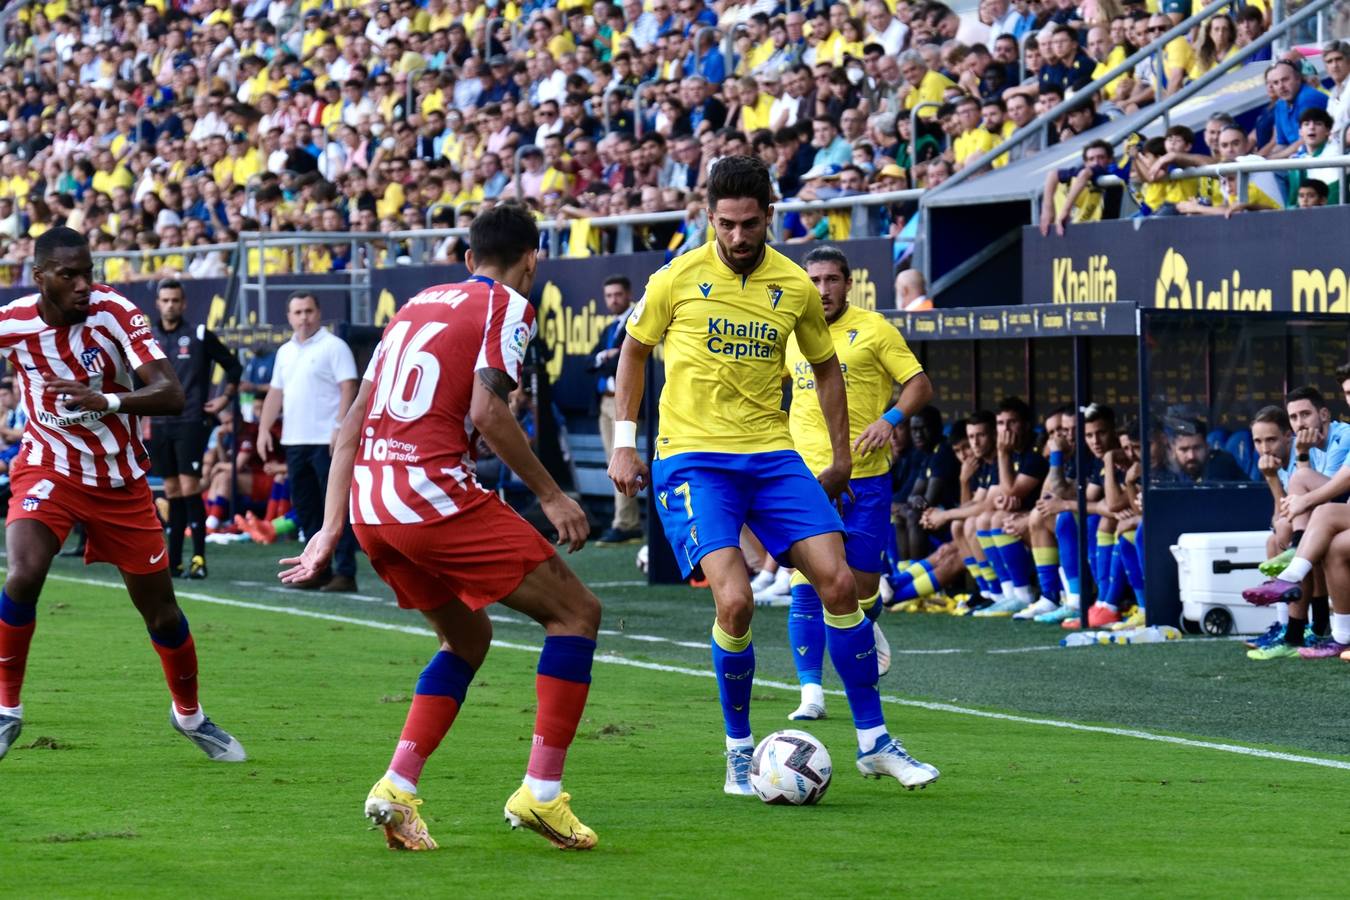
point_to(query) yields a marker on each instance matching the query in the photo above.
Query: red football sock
(14, 642)
(271, 512)
(555, 724)
(428, 720)
(180, 671)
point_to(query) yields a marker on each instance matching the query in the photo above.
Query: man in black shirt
(177, 443)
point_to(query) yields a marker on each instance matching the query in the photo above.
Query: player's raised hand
(76, 394)
(566, 516)
(628, 473)
(312, 561)
(876, 435)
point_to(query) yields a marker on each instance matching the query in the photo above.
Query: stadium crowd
(180, 123)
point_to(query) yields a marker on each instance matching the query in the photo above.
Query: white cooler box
(1212, 571)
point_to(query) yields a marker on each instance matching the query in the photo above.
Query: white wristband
(114, 403)
(625, 435)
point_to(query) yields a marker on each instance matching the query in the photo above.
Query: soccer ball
(641, 560)
(790, 768)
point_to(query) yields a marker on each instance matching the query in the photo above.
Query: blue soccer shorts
(704, 498)
(867, 523)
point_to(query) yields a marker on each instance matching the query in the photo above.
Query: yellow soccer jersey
(873, 357)
(725, 337)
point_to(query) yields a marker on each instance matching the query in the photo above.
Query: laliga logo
(1173, 273)
(1174, 290)
(553, 327)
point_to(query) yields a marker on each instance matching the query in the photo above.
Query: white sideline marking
(780, 685)
(597, 584)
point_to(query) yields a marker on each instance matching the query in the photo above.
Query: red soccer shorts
(478, 556)
(121, 523)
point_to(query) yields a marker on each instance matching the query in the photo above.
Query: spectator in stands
(910, 291)
(1219, 196)
(1312, 194)
(1314, 128)
(1072, 194)
(1219, 43)
(1069, 69)
(1293, 96)
(922, 84)
(974, 140)
(1336, 57)
(1251, 24)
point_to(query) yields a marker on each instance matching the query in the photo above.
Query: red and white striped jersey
(103, 351)
(415, 462)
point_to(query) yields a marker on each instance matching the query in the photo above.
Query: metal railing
(1042, 123)
(1244, 169)
(851, 202)
(138, 258)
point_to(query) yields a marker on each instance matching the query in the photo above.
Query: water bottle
(1084, 638)
(1154, 634)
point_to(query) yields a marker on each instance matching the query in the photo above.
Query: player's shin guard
(1106, 567)
(440, 693)
(562, 683)
(1066, 533)
(1016, 560)
(853, 651)
(991, 552)
(17, 621)
(178, 656)
(1128, 549)
(177, 523)
(734, 665)
(1047, 571)
(806, 632)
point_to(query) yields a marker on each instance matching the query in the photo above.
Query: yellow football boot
(554, 820)
(396, 810)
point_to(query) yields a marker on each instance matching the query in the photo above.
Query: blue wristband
(1056, 459)
(894, 416)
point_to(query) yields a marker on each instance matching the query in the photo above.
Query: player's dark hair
(958, 432)
(932, 421)
(735, 177)
(1131, 427)
(1273, 415)
(1097, 412)
(503, 234)
(171, 284)
(621, 280)
(1017, 406)
(54, 239)
(1343, 373)
(982, 419)
(1064, 410)
(828, 255)
(1309, 393)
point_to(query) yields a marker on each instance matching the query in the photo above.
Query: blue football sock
(1095, 560)
(1016, 558)
(871, 606)
(991, 552)
(1047, 571)
(922, 582)
(734, 664)
(806, 633)
(1066, 532)
(853, 649)
(1129, 558)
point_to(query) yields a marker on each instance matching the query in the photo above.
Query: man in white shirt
(1336, 56)
(314, 381)
(884, 28)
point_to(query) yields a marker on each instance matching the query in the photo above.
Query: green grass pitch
(101, 798)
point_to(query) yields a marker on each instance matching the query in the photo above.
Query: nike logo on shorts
(158, 556)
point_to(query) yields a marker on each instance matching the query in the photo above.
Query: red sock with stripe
(562, 683)
(178, 656)
(436, 701)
